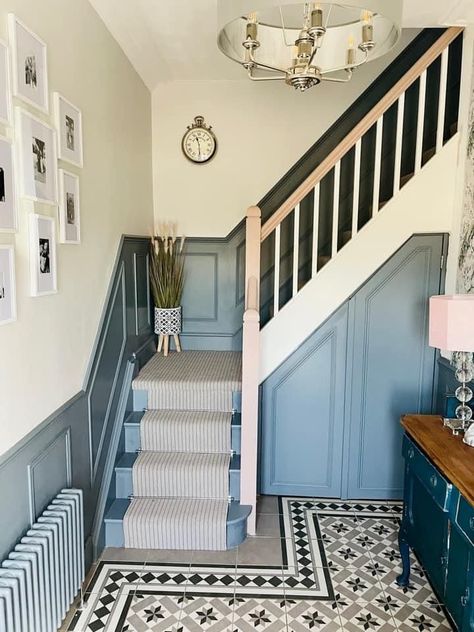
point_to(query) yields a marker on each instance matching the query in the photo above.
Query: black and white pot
(168, 321)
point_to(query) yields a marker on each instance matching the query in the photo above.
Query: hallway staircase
(178, 479)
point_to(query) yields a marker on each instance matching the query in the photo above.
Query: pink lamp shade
(452, 322)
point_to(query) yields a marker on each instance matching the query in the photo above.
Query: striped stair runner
(181, 476)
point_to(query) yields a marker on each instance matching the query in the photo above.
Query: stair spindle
(296, 248)
(442, 98)
(399, 144)
(355, 198)
(377, 166)
(335, 213)
(421, 123)
(314, 261)
(276, 280)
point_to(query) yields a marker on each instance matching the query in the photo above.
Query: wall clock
(199, 143)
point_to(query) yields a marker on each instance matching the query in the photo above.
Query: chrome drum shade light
(304, 43)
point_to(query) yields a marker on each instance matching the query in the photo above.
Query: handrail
(360, 129)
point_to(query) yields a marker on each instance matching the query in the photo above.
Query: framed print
(8, 211)
(5, 90)
(69, 208)
(29, 65)
(7, 285)
(42, 255)
(37, 158)
(68, 120)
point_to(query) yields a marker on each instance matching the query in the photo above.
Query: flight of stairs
(180, 464)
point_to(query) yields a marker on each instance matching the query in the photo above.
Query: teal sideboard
(438, 514)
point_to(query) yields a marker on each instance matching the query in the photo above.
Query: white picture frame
(29, 55)
(37, 158)
(43, 263)
(68, 121)
(5, 86)
(69, 208)
(7, 285)
(8, 200)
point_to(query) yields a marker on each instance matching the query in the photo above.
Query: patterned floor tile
(312, 615)
(202, 613)
(360, 615)
(335, 571)
(259, 614)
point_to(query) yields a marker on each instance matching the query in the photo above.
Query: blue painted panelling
(392, 365)
(71, 446)
(303, 416)
(330, 420)
(213, 297)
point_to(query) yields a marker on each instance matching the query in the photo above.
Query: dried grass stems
(167, 268)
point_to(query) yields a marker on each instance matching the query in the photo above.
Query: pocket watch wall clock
(199, 143)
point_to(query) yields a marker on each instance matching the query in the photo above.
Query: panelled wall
(330, 413)
(71, 447)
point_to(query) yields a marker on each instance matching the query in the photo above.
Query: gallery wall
(262, 129)
(45, 353)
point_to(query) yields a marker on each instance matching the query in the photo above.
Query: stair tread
(117, 509)
(134, 418)
(193, 366)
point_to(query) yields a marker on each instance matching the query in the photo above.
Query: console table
(438, 513)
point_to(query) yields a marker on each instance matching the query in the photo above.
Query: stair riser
(124, 483)
(140, 401)
(132, 438)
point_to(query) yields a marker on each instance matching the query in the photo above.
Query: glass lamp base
(457, 426)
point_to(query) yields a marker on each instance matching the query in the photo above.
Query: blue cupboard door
(303, 416)
(391, 364)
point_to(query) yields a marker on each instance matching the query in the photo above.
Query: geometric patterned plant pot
(168, 321)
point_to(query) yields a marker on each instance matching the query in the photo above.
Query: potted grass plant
(167, 282)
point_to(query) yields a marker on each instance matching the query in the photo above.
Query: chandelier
(304, 43)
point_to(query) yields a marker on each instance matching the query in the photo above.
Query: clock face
(199, 145)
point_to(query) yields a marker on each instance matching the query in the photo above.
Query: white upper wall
(262, 130)
(45, 354)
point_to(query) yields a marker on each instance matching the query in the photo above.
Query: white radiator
(45, 571)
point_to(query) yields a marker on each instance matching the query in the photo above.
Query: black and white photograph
(68, 121)
(29, 65)
(8, 211)
(44, 262)
(37, 158)
(5, 90)
(69, 211)
(7, 285)
(42, 255)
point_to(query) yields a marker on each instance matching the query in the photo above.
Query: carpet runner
(181, 476)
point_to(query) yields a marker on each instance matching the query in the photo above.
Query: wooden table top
(452, 457)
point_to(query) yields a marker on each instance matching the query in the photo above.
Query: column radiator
(45, 571)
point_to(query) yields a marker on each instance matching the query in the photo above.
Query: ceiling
(176, 39)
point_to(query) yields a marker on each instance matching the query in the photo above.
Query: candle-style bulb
(351, 53)
(367, 17)
(252, 26)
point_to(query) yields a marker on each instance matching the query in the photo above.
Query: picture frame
(29, 65)
(43, 266)
(8, 201)
(37, 158)
(7, 285)
(68, 121)
(5, 86)
(69, 208)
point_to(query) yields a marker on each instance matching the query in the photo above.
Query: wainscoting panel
(303, 416)
(58, 452)
(392, 365)
(213, 298)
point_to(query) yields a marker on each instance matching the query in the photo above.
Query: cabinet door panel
(392, 365)
(303, 416)
(456, 582)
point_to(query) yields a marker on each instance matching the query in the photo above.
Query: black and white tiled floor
(314, 565)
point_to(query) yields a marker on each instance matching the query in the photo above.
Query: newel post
(250, 365)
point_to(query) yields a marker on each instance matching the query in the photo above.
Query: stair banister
(360, 129)
(250, 365)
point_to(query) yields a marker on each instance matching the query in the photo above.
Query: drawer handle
(471, 523)
(411, 453)
(433, 480)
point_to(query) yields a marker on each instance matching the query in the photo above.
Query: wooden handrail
(360, 129)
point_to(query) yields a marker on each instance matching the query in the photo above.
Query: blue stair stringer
(121, 485)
